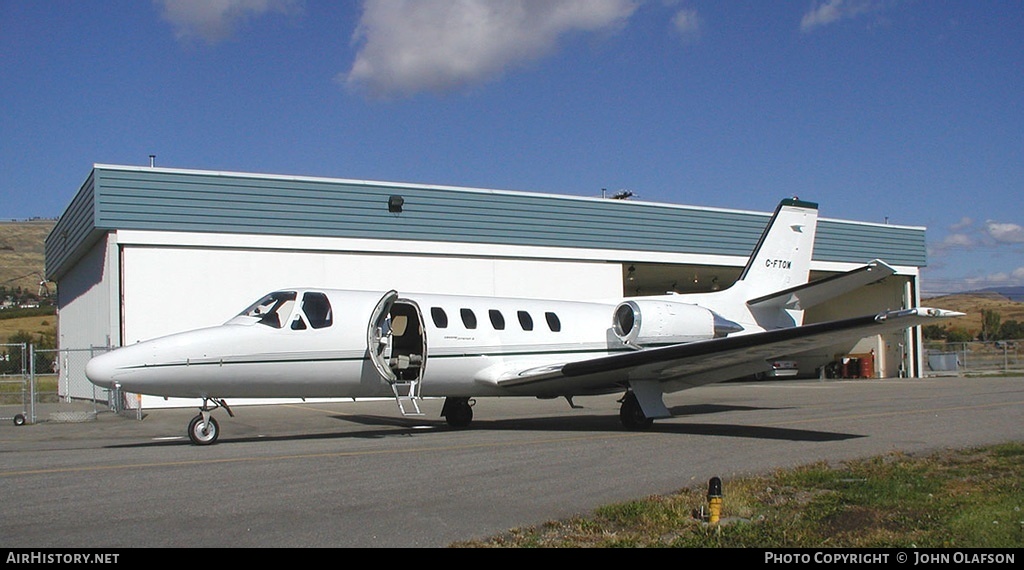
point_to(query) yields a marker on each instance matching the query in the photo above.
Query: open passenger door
(379, 336)
(397, 347)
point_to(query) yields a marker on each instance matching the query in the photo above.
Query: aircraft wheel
(631, 415)
(19, 419)
(459, 414)
(203, 433)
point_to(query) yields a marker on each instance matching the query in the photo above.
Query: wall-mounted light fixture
(395, 204)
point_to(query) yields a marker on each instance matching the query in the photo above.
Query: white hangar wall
(138, 285)
(88, 308)
(169, 287)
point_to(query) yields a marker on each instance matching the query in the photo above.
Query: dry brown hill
(36, 326)
(21, 253)
(973, 304)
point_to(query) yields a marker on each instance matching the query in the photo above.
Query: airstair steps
(407, 396)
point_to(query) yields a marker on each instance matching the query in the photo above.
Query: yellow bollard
(714, 500)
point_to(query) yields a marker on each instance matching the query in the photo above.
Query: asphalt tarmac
(359, 475)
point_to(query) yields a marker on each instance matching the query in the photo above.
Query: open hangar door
(879, 356)
(642, 279)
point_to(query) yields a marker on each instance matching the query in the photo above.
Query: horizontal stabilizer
(817, 292)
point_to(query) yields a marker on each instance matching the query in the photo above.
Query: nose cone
(100, 370)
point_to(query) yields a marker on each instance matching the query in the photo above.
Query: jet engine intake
(641, 322)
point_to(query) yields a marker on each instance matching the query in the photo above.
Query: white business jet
(310, 342)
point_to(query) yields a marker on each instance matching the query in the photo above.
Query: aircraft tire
(203, 435)
(632, 415)
(19, 419)
(459, 414)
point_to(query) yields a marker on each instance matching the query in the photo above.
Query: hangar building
(142, 252)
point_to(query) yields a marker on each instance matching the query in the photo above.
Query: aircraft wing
(689, 365)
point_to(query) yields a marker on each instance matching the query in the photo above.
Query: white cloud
(1004, 232)
(831, 11)
(1012, 278)
(407, 46)
(963, 224)
(215, 20)
(957, 240)
(687, 24)
(993, 234)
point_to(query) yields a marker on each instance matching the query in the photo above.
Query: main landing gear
(632, 415)
(458, 412)
(203, 429)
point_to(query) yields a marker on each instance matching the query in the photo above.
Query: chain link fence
(39, 385)
(14, 383)
(993, 357)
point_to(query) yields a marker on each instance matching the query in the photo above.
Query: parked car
(780, 369)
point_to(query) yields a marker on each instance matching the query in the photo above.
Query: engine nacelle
(640, 322)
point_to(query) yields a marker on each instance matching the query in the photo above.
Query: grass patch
(35, 325)
(14, 390)
(956, 498)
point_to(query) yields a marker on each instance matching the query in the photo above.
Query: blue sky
(909, 112)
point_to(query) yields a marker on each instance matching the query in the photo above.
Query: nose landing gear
(204, 429)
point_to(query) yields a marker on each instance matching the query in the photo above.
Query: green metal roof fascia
(184, 201)
(897, 245)
(162, 201)
(73, 234)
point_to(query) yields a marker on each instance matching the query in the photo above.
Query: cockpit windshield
(272, 310)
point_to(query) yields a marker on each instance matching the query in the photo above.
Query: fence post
(60, 361)
(32, 383)
(92, 353)
(25, 379)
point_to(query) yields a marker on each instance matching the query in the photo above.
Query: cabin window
(468, 318)
(274, 309)
(317, 310)
(439, 316)
(553, 323)
(525, 320)
(497, 320)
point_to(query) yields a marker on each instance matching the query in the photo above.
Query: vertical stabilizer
(780, 261)
(782, 257)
